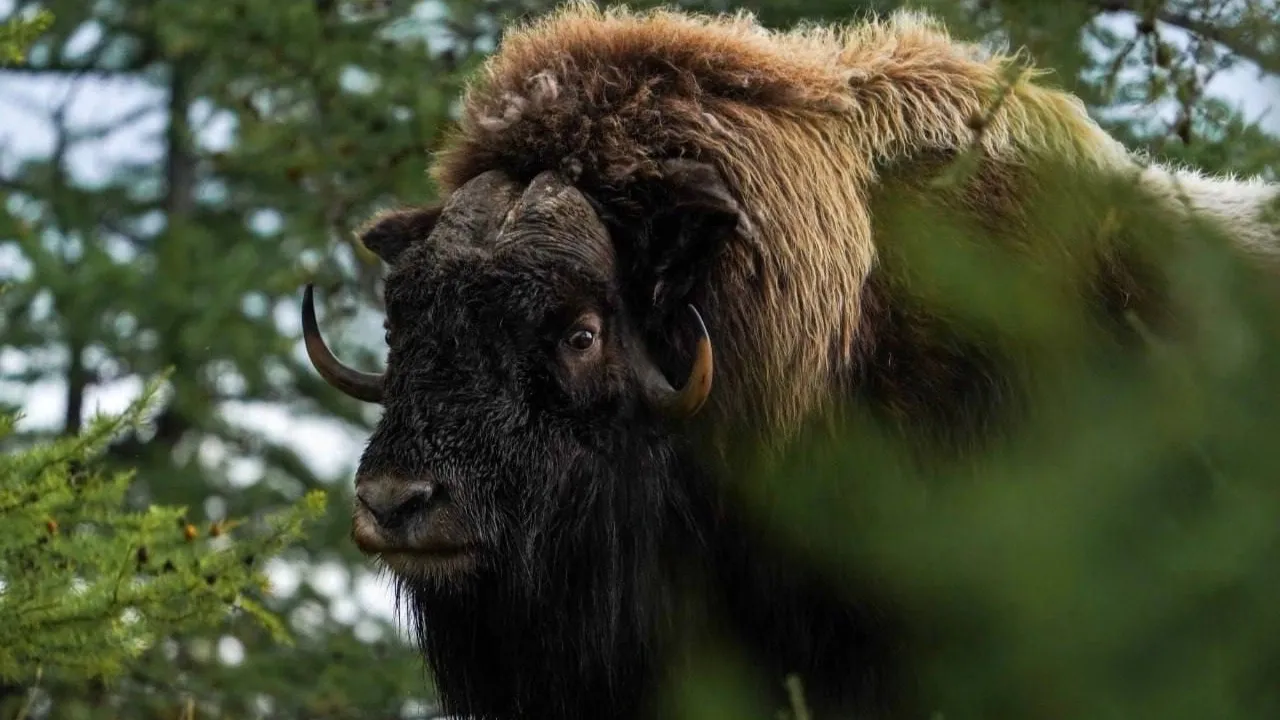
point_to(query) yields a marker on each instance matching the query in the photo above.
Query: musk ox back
(664, 235)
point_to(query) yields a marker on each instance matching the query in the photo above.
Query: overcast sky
(329, 449)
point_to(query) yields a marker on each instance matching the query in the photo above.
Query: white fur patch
(511, 111)
(544, 88)
(1248, 210)
(541, 90)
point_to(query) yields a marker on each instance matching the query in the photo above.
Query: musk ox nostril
(393, 502)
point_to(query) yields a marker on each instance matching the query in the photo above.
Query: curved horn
(359, 385)
(686, 402)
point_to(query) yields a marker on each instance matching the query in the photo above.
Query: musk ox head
(525, 478)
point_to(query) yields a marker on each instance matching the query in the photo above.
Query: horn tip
(700, 381)
(308, 309)
(702, 326)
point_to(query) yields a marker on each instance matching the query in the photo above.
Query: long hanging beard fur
(571, 625)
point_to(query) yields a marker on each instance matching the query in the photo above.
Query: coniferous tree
(264, 132)
(90, 586)
(87, 585)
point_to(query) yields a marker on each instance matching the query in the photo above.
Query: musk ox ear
(389, 232)
(698, 191)
(693, 214)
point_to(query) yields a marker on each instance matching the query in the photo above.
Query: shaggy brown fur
(829, 141)
(802, 124)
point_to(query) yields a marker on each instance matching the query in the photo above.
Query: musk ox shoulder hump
(618, 89)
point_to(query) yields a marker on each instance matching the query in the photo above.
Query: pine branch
(1233, 39)
(89, 585)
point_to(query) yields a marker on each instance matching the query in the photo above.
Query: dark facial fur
(510, 385)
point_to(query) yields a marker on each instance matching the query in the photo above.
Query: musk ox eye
(581, 339)
(583, 335)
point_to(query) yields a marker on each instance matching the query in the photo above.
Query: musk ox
(663, 234)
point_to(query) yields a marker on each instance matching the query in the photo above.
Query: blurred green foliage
(16, 34)
(1114, 554)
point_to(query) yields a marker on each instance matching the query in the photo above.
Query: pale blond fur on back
(798, 122)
